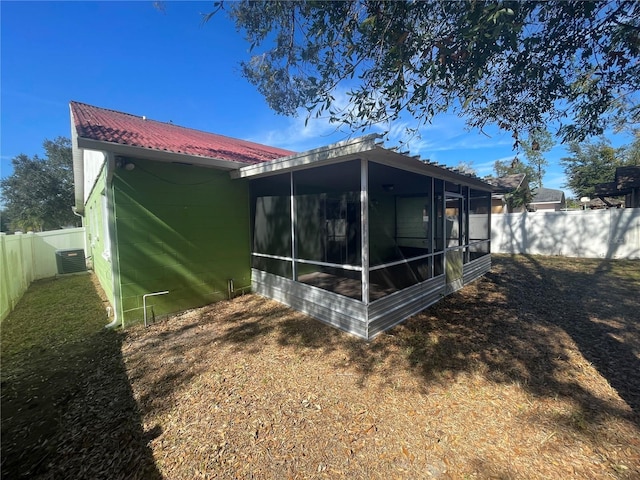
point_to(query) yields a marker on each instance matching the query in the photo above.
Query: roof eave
(159, 155)
(362, 147)
(334, 153)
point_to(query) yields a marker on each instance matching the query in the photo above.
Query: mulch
(531, 372)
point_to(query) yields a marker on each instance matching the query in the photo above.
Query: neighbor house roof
(110, 126)
(547, 195)
(626, 179)
(507, 183)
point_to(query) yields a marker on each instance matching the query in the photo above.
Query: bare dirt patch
(531, 372)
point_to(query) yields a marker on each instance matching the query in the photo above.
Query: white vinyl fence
(28, 257)
(613, 233)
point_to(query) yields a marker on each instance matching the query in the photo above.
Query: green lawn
(67, 407)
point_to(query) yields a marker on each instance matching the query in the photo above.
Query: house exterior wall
(181, 229)
(96, 234)
(94, 162)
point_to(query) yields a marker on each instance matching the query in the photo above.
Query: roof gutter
(158, 155)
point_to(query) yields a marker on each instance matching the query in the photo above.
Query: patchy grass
(67, 406)
(532, 372)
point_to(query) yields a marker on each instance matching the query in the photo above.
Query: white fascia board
(159, 155)
(78, 167)
(334, 153)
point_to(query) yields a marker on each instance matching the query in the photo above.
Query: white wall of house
(93, 161)
(613, 233)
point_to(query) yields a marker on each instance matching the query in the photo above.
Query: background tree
(591, 163)
(539, 142)
(522, 195)
(4, 221)
(466, 167)
(520, 65)
(39, 194)
(511, 167)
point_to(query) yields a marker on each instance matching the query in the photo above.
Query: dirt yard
(532, 372)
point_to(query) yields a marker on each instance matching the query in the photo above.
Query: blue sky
(131, 57)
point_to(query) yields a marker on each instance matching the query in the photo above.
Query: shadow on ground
(67, 406)
(534, 321)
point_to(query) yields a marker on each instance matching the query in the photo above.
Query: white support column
(364, 227)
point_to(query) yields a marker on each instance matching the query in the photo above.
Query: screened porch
(365, 239)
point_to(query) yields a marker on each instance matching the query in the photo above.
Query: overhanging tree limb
(518, 65)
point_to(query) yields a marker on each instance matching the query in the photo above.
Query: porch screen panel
(271, 225)
(328, 228)
(454, 222)
(401, 235)
(400, 214)
(479, 208)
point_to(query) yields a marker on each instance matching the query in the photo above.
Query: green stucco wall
(180, 228)
(95, 230)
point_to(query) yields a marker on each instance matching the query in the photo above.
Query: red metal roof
(105, 125)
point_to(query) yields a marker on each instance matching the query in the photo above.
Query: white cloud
(446, 133)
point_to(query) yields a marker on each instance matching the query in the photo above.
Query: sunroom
(362, 237)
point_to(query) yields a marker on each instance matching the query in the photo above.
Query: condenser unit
(70, 261)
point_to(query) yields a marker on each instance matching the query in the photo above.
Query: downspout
(118, 319)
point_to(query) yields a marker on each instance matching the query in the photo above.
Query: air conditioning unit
(70, 261)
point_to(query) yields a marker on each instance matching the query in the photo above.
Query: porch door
(454, 246)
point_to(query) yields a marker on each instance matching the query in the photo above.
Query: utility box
(70, 261)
